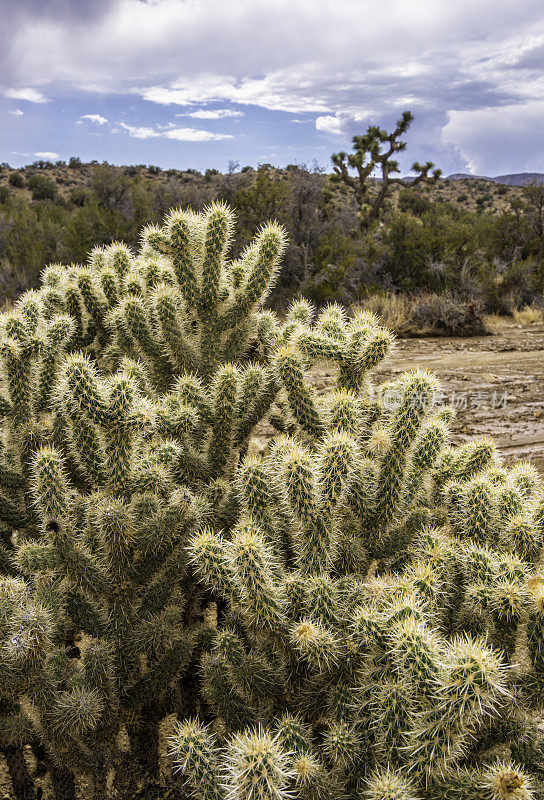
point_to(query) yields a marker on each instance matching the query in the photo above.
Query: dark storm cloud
(17, 13)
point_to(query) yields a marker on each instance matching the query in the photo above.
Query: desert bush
(421, 244)
(79, 196)
(337, 616)
(445, 315)
(428, 314)
(413, 201)
(29, 236)
(42, 187)
(526, 277)
(17, 180)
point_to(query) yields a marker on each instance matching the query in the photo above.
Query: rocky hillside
(513, 179)
(72, 183)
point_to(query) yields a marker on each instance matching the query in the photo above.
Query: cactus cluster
(354, 611)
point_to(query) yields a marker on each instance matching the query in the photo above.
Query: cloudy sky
(197, 83)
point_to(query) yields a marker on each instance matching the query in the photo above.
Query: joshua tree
(373, 150)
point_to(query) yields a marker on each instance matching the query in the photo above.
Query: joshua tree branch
(367, 157)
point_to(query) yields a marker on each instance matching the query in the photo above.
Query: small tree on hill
(375, 150)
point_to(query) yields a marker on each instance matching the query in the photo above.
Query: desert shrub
(42, 187)
(446, 315)
(17, 180)
(409, 246)
(265, 198)
(29, 236)
(413, 201)
(79, 196)
(424, 244)
(93, 224)
(428, 314)
(110, 186)
(4, 194)
(333, 261)
(527, 277)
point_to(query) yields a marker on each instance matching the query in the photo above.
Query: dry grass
(495, 320)
(393, 310)
(530, 315)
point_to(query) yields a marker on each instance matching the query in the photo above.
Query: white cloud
(218, 113)
(489, 139)
(97, 119)
(138, 132)
(178, 134)
(331, 124)
(194, 135)
(46, 154)
(17, 112)
(292, 89)
(29, 94)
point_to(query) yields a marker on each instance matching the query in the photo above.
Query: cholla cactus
(356, 611)
(378, 585)
(128, 400)
(32, 344)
